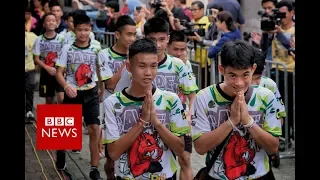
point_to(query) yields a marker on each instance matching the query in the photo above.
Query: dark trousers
(281, 87)
(30, 83)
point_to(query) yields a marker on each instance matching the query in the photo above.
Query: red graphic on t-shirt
(83, 74)
(51, 59)
(237, 157)
(144, 155)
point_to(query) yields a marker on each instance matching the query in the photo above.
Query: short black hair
(78, 12)
(215, 6)
(155, 25)
(260, 60)
(28, 9)
(46, 15)
(143, 45)
(114, 5)
(123, 21)
(285, 3)
(273, 1)
(53, 3)
(237, 54)
(177, 36)
(198, 3)
(70, 14)
(81, 19)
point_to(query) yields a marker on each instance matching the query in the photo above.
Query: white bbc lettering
(49, 121)
(59, 121)
(58, 132)
(69, 121)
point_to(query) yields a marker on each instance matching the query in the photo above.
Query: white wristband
(235, 128)
(250, 124)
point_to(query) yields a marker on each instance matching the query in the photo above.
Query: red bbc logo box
(59, 126)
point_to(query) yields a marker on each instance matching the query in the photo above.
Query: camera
(156, 4)
(190, 30)
(246, 36)
(293, 50)
(269, 21)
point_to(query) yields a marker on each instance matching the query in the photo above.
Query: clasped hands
(148, 110)
(239, 110)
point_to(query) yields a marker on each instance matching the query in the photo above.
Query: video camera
(156, 4)
(269, 21)
(190, 30)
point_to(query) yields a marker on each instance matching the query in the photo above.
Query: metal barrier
(269, 67)
(106, 39)
(199, 56)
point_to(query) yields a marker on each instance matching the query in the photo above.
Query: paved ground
(286, 171)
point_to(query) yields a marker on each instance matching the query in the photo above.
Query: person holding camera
(213, 32)
(263, 41)
(166, 9)
(281, 53)
(200, 22)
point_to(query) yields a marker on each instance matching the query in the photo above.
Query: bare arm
(175, 143)
(113, 81)
(191, 98)
(118, 147)
(212, 139)
(264, 139)
(100, 83)
(39, 62)
(60, 78)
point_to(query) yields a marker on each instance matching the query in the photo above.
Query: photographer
(213, 32)
(281, 49)
(264, 41)
(165, 9)
(197, 10)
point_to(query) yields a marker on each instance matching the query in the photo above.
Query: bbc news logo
(59, 127)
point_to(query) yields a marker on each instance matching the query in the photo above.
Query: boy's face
(144, 68)
(82, 32)
(50, 23)
(177, 48)
(161, 39)
(127, 35)
(56, 10)
(27, 15)
(70, 23)
(46, 8)
(236, 79)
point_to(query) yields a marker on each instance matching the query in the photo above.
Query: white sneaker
(30, 116)
(76, 151)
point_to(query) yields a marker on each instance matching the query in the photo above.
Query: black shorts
(48, 84)
(106, 153)
(89, 99)
(187, 143)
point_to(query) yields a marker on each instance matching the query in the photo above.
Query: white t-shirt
(148, 151)
(81, 65)
(241, 158)
(48, 49)
(270, 84)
